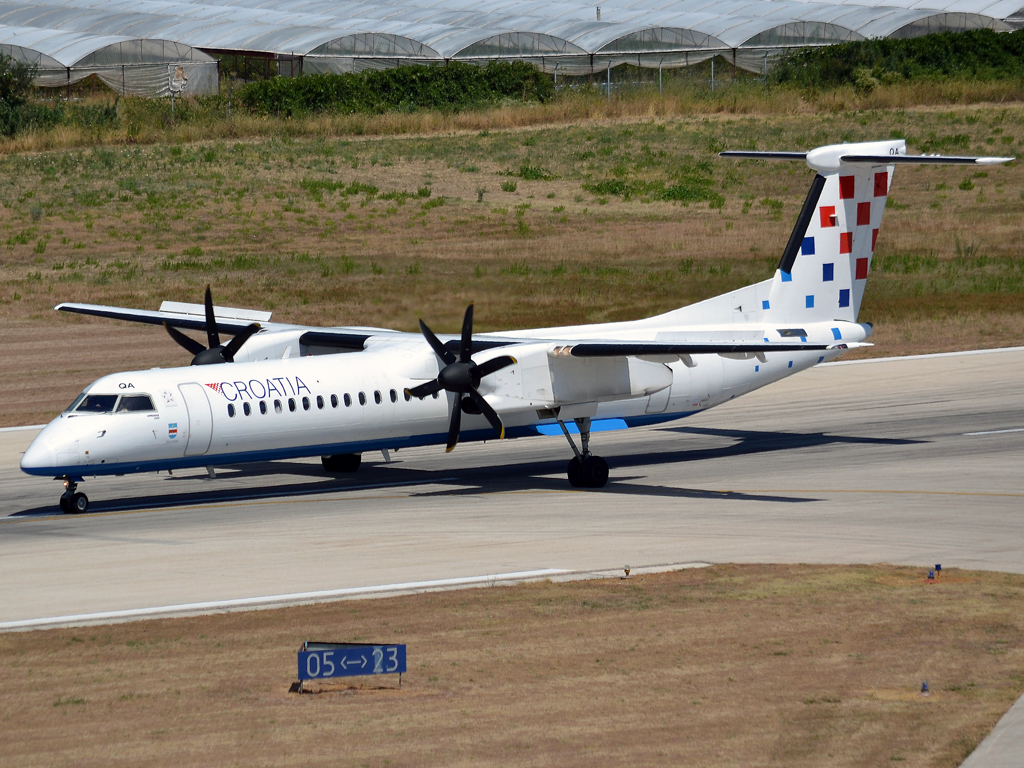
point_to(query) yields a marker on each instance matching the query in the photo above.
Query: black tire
(574, 473)
(343, 462)
(594, 472)
(79, 504)
(65, 505)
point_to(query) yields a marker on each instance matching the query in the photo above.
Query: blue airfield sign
(322, 660)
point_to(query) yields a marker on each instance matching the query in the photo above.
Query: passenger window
(362, 399)
(291, 403)
(246, 409)
(277, 406)
(348, 400)
(97, 404)
(334, 401)
(319, 402)
(376, 397)
(394, 396)
(134, 403)
(434, 395)
(408, 397)
(231, 410)
(263, 407)
(305, 403)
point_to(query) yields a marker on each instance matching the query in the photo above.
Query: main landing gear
(585, 469)
(72, 503)
(342, 462)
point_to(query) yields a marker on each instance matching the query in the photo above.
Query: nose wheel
(72, 502)
(585, 470)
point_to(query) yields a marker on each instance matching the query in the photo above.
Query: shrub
(979, 54)
(451, 87)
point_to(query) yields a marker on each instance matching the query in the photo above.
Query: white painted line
(295, 597)
(994, 432)
(21, 429)
(923, 357)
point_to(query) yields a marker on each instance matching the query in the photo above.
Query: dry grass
(732, 665)
(685, 96)
(132, 226)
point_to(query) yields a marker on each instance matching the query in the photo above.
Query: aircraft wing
(175, 314)
(651, 348)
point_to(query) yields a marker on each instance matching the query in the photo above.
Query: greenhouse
(159, 47)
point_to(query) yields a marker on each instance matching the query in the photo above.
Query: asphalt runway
(912, 460)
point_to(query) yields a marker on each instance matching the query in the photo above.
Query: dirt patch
(734, 665)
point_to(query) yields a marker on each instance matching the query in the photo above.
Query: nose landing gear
(585, 469)
(71, 502)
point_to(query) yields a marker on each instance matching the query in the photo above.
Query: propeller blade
(486, 410)
(232, 347)
(193, 346)
(211, 321)
(454, 426)
(435, 343)
(423, 390)
(494, 365)
(466, 347)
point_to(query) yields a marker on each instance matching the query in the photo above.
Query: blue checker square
(828, 272)
(844, 297)
(836, 334)
(807, 248)
(787, 278)
(810, 302)
(764, 304)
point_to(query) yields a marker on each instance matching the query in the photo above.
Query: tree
(15, 87)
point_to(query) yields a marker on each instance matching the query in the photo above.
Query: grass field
(582, 220)
(730, 665)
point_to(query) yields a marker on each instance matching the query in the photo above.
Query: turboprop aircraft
(278, 391)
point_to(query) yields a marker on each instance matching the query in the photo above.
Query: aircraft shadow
(504, 478)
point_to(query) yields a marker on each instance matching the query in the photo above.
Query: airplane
(279, 391)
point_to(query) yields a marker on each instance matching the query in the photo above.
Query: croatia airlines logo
(257, 389)
(172, 430)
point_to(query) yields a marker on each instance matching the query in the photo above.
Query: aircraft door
(200, 419)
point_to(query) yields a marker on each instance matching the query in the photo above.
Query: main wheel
(79, 504)
(343, 462)
(594, 472)
(65, 505)
(574, 473)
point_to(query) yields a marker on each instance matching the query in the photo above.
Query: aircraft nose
(39, 458)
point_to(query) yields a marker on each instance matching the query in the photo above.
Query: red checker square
(874, 239)
(881, 184)
(845, 187)
(828, 216)
(862, 269)
(863, 214)
(846, 242)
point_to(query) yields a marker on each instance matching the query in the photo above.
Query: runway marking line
(868, 490)
(994, 432)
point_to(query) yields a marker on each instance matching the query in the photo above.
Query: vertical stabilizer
(824, 269)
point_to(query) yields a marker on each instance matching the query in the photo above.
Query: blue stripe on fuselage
(329, 449)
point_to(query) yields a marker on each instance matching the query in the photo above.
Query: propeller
(462, 376)
(217, 352)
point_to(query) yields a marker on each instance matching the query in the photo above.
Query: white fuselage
(355, 402)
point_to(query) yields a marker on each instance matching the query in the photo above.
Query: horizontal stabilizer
(754, 155)
(924, 159)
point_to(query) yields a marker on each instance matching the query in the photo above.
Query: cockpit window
(97, 404)
(135, 403)
(74, 405)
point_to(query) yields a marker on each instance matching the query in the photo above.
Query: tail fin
(825, 265)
